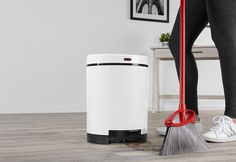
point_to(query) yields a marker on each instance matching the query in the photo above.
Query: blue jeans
(221, 14)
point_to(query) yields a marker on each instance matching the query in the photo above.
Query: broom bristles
(180, 140)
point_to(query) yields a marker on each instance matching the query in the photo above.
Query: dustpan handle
(182, 54)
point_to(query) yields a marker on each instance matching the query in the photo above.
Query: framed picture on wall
(150, 10)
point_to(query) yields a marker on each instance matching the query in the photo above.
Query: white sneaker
(224, 131)
(162, 130)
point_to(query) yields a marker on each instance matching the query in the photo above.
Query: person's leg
(222, 18)
(196, 21)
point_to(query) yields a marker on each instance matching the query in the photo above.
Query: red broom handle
(185, 116)
(182, 54)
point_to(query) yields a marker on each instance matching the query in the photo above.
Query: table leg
(158, 84)
(155, 86)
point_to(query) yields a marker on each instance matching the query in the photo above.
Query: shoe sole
(230, 139)
(163, 133)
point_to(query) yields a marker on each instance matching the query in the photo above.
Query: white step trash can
(117, 98)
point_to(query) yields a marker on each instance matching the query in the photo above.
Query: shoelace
(224, 125)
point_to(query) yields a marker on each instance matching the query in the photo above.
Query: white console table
(162, 54)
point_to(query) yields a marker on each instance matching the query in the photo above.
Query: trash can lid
(117, 59)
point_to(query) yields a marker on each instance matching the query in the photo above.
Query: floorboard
(62, 138)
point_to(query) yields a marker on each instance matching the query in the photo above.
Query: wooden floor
(62, 138)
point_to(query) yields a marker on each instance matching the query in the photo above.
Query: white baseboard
(172, 105)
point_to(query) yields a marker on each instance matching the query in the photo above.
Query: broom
(182, 137)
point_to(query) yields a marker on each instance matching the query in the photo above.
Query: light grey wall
(44, 44)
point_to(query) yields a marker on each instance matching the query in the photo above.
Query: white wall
(44, 44)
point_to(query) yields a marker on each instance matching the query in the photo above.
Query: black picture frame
(136, 15)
